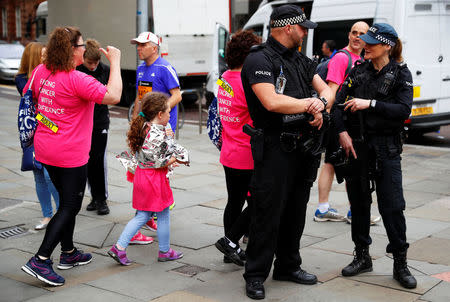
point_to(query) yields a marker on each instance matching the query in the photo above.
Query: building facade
(17, 20)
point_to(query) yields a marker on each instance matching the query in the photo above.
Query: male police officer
(278, 80)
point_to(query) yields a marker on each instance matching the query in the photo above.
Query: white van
(422, 25)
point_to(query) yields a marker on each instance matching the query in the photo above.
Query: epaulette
(402, 64)
(257, 47)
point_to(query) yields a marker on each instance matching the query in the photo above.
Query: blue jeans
(139, 220)
(44, 190)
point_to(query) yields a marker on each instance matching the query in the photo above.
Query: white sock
(323, 207)
(230, 243)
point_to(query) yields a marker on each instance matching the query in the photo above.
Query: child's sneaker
(169, 255)
(151, 225)
(172, 206)
(76, 258)
(140, 238)
(119, 256)
(43, 270)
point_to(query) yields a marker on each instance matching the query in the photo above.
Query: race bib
(143, 88)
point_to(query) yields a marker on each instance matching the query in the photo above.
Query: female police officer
(375, 100)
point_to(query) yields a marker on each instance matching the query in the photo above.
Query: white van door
(219, 65)
(444, 36)
(422, 50)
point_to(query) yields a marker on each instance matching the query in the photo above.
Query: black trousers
(235, 221)
(389, 190)
(280, 189)
(70, 184)
(97, 177)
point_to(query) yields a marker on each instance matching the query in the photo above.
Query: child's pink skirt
(151, 190)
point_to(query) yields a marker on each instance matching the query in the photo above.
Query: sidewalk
(200, 195)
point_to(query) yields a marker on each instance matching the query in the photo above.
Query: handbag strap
(32, 79)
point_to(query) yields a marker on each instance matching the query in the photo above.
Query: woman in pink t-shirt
(65, 105)
(235, 155)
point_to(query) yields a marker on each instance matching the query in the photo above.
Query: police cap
(380, 33)
(290, 14)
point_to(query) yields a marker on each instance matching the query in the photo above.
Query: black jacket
(101, 112)
(393, 101)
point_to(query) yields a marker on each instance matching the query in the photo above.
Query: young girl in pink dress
(154, 152)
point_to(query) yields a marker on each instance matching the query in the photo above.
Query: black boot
(361, 262)
(401, 271)
(92, 206)
(255, 289)
(102, 208)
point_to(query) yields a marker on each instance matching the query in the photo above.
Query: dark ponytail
(396, 51)
(152, 104)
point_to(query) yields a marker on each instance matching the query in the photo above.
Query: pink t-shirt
(67, 99)
(236, 152)
(337, 66)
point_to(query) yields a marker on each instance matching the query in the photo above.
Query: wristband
(324, 101)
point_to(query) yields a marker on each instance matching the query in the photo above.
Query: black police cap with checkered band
(380, 33)
(289, 15)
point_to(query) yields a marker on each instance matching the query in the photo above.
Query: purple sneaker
(43, 270)
(76, 258)
(169, 255)
(119, 256)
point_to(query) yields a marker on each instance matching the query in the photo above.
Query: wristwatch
(324, 101)
(373, 102)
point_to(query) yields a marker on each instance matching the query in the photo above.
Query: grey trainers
(374, 219)
(330, 215)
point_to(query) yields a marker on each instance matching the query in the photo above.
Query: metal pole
(141, 19)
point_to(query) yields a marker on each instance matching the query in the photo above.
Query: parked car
(10, 55)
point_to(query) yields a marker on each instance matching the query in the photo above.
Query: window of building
(18, 23)
(4, 22)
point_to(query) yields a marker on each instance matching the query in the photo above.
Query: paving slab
(84, 292)
(416, 228)
(231, 287)
(195, 181)
(211, 258)
(416, 199)
(183, 296)
(147, 282)
(219, 204)
(94, 236)
(443, 234)
(424, 283)
(12, 291)
(431, 249)
(100, 267)
(342, 289)
(325, 264)
(436, 210)
(427, 268)
(343, 244)
(430, 186)
(439, 293)
(189, 198)
(184, 235)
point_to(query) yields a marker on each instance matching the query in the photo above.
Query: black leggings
(70, 183)
(235, 221)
